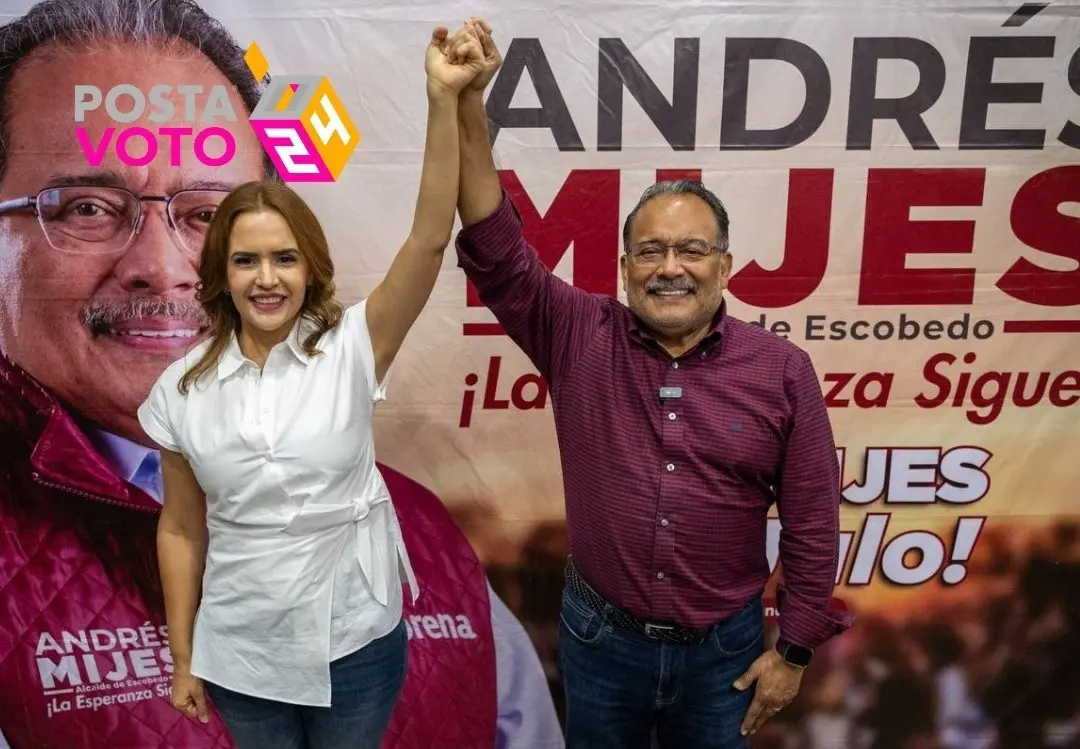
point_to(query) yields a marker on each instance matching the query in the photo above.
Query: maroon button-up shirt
(666, 498)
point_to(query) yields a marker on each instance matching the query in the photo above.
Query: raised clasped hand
(481, 30)
(452, 63)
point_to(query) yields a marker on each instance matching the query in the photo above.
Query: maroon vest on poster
(450, 697)
(83, 660)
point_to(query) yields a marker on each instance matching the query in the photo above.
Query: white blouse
(305, 553)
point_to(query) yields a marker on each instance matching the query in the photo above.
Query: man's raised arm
(548, 318)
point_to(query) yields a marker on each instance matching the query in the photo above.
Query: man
(679, 426)
(96, 299)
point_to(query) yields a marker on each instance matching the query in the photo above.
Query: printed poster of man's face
(98, 262)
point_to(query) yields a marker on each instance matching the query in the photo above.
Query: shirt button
(671, 416)
(671, 466)
(674, 365)
(659, 575)
(664, 523)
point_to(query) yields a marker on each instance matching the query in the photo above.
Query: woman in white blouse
(265, 430)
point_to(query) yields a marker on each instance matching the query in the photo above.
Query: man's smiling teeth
(678, 292)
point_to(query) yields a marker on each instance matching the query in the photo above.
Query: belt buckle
(651, 628)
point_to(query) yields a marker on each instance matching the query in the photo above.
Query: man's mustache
(658, 285)
(100, 317)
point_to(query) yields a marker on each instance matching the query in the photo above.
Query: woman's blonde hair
(320, 305)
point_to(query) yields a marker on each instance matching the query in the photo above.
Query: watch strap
(794, 655)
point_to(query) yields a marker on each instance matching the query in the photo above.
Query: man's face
(97, 326)
(675, 294)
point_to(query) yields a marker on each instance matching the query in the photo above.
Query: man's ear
(725, 269)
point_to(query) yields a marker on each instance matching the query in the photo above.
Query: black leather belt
(665, 632)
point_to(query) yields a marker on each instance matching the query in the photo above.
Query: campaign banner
(903, 184)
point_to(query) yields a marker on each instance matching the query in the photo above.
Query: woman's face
(268, 276)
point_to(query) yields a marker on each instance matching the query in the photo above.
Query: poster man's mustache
(100, 317)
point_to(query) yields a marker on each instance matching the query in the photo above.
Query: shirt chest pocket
(739, 444)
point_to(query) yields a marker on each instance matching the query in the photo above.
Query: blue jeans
(364, 688)
(622, 686)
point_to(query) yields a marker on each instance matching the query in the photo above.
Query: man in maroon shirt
(678, 427)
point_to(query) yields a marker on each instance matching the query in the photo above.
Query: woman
(267, 447)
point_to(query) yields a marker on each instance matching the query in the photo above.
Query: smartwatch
(794, 655)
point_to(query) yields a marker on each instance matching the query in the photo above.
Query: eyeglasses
(92, 220)
(688, 252)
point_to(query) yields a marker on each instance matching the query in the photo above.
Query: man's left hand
(492, 57)
(452, 62)
(777, 685)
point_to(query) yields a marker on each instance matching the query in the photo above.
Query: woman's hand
(189, 696)
(452, 63)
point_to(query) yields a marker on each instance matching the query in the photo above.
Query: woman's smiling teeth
(267, 302)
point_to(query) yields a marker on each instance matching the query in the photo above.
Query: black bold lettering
(1070, 134)
(980, 92)
(676, 120)
(864, 106)
(552, 113)
(734, 134)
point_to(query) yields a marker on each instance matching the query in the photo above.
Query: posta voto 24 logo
(300, 122)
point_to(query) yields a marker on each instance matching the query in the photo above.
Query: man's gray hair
(681, 187)
(75, 24)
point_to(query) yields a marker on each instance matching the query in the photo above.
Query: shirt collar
(123, 455)
(137, 464)
(63, 453)
(639, 331)
(233, 358)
